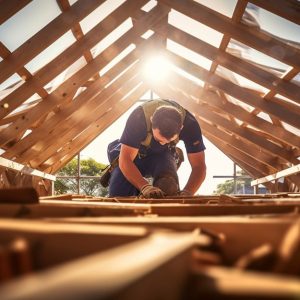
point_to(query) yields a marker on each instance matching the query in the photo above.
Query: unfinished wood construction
(45, 122)
(74, 247)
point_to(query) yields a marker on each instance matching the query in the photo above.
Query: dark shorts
(153, 166)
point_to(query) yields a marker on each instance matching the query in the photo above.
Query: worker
(147, 149)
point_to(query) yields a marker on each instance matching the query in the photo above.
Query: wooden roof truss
(43, 126)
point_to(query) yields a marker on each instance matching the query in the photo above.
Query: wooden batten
(236, 91)
(209, 115)
(251, 37)
(235, 64)
(9, 8)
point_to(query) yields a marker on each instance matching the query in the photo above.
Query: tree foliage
(242, 185)
(91, 186)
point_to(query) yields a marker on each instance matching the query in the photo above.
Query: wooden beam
(288, 9)
(77, 31)
(10, 7)
(253, 38)
(287, 172)
(275, 133)
(255, 152)
(69, 138)
(236, 17)
(204, 111)
(58, 160)
(235, 91)
(251, 170)
(24, 169)
(67, 132)
(248, 148)
(22, 72)
(70, 55)
(160, 252)
(234, 64)
(67, 110)
(46, 36)
(179, 84)
(61, 93)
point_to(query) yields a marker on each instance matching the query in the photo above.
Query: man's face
(161, 139)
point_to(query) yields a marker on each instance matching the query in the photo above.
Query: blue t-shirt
(135, 133)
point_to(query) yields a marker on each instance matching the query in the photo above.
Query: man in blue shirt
(147, 149)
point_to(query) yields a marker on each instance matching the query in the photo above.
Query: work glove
(184, 193)
(150, 191)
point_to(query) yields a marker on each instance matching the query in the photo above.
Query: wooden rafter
(249, 36)
(10, 7)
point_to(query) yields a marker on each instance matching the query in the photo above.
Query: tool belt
(105, 177)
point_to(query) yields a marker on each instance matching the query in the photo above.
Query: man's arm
(197, 176)
(128, 168)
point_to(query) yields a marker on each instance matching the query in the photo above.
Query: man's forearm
(132, 174)
(195, 180)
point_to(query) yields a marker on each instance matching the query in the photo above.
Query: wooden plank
(235, 243)
(255, 152)
(22, 72)
(236, 18)
(249, 36)
(24, 169)
(213, 210)
(100, 103)
(67, 152)
(275, 133)
(10, 7)
(252, 171)
(81, 101)
(242, 145)
(70, 55)
(248, 160)
(46, 36)
(288, 9)
(80, 124)
(235, 91)
(58, 96)
(283, 173)
(134, 279)
(227, 148)
(77, 31)
(204, 111)
(65, 112)
(235, 64)
(70, 209)
(237, 153)
(18, 195)
(217, 283)
(279, 134)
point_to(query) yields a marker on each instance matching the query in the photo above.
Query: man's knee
(168, 184)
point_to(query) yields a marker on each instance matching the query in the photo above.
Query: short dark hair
(168, 120)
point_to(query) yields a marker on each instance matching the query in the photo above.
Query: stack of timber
(200, 247)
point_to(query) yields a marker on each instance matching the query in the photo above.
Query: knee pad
(169, 185)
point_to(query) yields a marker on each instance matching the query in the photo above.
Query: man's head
(166, 124)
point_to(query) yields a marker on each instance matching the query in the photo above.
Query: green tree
(91, 186)
(227, 187)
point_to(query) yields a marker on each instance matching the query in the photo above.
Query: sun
(156, 69)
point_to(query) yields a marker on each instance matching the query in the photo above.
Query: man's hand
(185, 193)
(150, 191)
